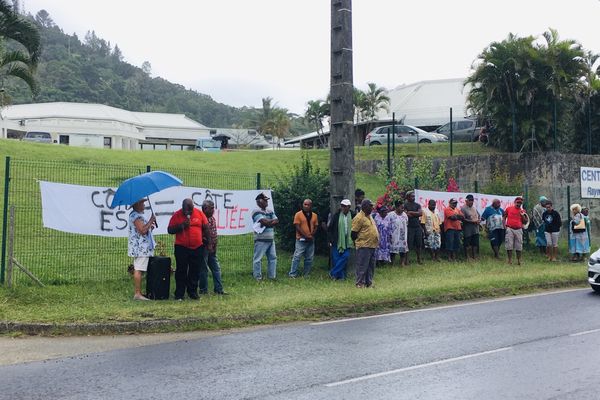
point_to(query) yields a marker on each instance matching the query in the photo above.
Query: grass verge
(107, 307)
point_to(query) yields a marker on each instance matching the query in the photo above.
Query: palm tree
(315, 113)
(375, 99)
(278, 124)
(17, 61)
(359, 105)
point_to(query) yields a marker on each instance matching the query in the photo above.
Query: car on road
(404, 134)
(463, 130)
(594, 271)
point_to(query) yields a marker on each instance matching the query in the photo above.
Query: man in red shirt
(452, 227)
(190, 227)
(513, 219)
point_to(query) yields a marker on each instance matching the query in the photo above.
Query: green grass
(425, 149)
(252, 303)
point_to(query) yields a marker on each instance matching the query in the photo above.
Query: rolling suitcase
(158, 278)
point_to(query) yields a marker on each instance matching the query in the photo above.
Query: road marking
(431, 364)
(584, 332)
(474, 303)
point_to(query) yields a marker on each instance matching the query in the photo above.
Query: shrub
(303, 181)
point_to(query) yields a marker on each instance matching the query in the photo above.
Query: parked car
(38, 137)
(208, 144)
(404, 134)
(594, 271)
(463, 130)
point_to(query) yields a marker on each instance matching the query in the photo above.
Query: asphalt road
(531, 347)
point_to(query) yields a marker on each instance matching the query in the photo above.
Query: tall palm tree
(316, 111)
(20, 60)
(359, 105)
(375, 100)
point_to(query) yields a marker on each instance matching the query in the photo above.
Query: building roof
(149, 119)
(427, 103)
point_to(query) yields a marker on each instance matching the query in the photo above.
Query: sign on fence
(86, 209)
(442, 198)
(590, 182)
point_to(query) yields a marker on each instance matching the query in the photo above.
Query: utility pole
(341, 145)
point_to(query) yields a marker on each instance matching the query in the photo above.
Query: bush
(303, 181)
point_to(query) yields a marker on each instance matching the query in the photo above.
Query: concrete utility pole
(341, 138)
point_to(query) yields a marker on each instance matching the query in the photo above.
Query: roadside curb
(188, 324)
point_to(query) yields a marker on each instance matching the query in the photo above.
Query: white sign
(590, 182)
(86, 209)
(481, 201)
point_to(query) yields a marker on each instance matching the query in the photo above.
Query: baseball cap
(518, 198)
(470, 197)
(452, 200)
(262, 196)
(346, 202)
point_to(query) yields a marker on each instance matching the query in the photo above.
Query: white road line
(475, 303)
(431, 364)
(584, 332)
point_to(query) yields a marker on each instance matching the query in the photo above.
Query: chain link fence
(59, 258)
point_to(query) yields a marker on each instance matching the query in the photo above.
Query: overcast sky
(238, 51)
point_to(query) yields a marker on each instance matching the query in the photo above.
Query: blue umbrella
(138, 187)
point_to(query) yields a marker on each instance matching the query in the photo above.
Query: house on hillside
(101, 126)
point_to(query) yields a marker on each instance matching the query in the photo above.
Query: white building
(97, 125)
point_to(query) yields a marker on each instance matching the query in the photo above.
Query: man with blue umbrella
(190, 227)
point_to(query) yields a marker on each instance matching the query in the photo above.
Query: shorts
(471, 241)
(433, 241)
(141, 263)
(514, 239)
(452, 240)
(552, 239)
(415, 238)
(496, 237)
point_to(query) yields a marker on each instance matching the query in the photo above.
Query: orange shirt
(306, 231)
(450, 224)
(513, 217)
(191, 237)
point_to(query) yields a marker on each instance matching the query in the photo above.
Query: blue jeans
(340, 262)
(261, 249)
(304, 248)
(212, 263)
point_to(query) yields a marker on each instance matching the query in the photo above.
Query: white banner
(85, 209)
(590, 182)
(442, 198)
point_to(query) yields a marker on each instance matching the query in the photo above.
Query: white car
(594, 271)
(404, 134)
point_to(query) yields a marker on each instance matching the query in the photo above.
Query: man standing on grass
(431, 227)
(340, 240)
(470, 228)
(492, 215)
(415, 231)
(366, 239)
(513, 218)
(264, 238)
(452, 228)
(208, 208)
(306, 223)
(190, 227)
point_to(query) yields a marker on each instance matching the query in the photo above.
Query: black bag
(158, 278)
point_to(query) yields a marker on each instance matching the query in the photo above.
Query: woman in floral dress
(384, 226)
(399, 244)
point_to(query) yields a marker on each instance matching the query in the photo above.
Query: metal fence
(59, 257)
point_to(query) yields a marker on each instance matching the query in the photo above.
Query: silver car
(38, 137)
(463, 130)
(594, 271)
(404, 134)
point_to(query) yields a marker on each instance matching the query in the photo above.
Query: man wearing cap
(306, 223)
(470, 227)
(514, 217)
(539, 225)
(340, 239)
(264, 238)
(415, 231)
(452, 228)
(366, 239)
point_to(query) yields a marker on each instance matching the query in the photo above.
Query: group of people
(379, 235)
(195, 250)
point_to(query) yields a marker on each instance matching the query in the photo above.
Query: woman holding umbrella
(140, 245)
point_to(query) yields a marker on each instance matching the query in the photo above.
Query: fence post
(4, 217)
(476, 186)
(451, 132)
(148, 168)
(258, 181)
(569, 214)
(416, 182)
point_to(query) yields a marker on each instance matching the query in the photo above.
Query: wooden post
(341, 145)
